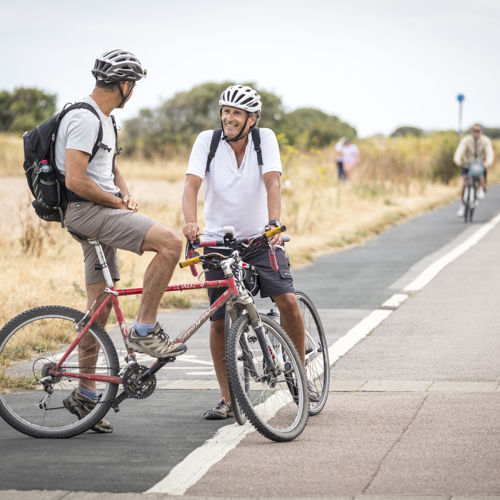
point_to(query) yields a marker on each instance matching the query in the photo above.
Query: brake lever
(190, 252)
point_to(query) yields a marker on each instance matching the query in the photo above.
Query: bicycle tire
(317, 359)
(272, 408)
(32, 342)
(469, 205)
(238, 414)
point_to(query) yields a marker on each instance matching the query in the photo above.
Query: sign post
(460, 99)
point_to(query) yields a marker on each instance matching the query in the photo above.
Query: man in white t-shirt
(241, 193)
(101, 208)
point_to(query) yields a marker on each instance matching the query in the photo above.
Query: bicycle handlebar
(243, 245)
(189, 262)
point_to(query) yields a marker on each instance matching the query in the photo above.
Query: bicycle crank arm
(160, 363)
(118, 400)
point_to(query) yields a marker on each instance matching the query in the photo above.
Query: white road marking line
(206, 368)
(436, 267)
(200, 460)
(356, 333)
(395, 301)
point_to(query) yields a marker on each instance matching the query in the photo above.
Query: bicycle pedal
(168, 359)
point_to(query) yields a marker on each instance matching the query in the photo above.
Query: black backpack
(45, 181)
(215, 144)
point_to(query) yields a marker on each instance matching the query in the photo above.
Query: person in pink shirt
(350, 155)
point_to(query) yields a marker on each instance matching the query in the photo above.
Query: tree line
(409, 131)
(174, 125)
(24, 108)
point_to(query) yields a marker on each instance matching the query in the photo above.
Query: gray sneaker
(221, 411)
(79, 405)
(314, 395)
(155, 343)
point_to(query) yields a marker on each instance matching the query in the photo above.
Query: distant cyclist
(473, 147)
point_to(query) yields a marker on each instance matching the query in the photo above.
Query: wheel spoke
(32, 392)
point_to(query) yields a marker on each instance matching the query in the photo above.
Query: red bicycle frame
(113, 295)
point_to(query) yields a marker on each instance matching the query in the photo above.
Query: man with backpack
(240, 168)
(100, 207)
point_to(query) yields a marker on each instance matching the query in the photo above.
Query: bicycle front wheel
(239, 416)
(317, 361)
(32, 398)
(469, 198)
(277, 400)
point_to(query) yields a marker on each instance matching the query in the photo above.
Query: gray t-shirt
(78, 130)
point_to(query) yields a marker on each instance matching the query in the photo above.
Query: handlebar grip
(189, 262)
(272, 258)
(276, 230)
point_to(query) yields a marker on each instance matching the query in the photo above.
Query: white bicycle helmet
(118, 66)
(242, 97)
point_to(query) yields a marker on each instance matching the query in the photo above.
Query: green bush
(25, 108)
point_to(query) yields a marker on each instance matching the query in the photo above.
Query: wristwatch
(274, 222)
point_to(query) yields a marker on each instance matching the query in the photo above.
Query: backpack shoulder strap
(117, 149)
(88, 107)
(217, 133)
(256, 145)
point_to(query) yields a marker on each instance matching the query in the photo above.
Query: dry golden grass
(11, 154)
(42, 264)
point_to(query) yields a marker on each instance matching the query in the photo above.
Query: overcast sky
(376, 64)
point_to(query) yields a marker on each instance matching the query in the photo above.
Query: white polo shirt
(234, 196)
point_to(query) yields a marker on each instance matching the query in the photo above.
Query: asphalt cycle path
(414, 406)
(390, 393)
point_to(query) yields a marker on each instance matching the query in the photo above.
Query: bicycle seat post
(103, 264)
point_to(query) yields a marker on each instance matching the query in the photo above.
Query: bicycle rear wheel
(317, 361)
(31, 344)
(277, 403)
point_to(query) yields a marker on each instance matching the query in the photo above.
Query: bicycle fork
(270, 356)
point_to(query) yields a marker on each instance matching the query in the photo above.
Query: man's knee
(287, 303)
(217, 327)
(163, 240)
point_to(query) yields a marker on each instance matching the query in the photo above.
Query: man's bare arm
(190, 206)
(81, 184)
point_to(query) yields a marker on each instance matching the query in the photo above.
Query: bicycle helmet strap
(240, 134)
(124, 97)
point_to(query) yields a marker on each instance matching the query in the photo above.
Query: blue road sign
(460, 97)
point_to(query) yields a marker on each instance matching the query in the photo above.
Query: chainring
(134, 390)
